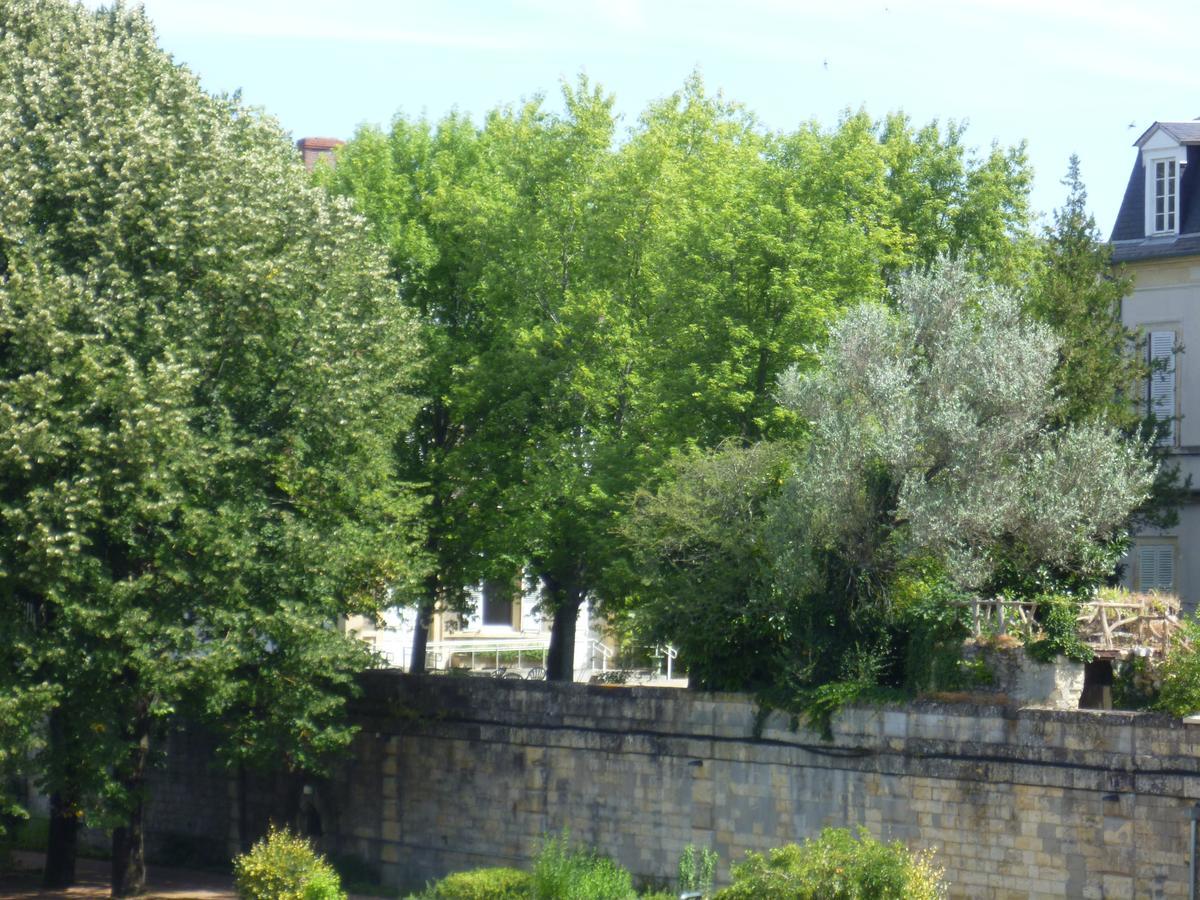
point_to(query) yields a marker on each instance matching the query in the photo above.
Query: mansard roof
(1129, 239)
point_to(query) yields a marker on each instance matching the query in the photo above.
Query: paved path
(93, 882)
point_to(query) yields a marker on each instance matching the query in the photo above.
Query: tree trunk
(62, 842)
(560, 658)
(128, 840)
(63, 839)
(416, 665)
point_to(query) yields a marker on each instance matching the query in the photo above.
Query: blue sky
(1072, 76)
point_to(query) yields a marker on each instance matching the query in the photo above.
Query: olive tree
(933, 462)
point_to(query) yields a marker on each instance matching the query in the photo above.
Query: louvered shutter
(1156, 567)
(1162, 381)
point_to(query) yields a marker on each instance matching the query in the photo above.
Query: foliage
(1102, 364)
(284, 866)
(696, 869)
(204, 373)
(566, 872)
(1078, 293)
(1179, 693)
(701, 553)
(932, 467)
(1059, 631)
(595, 307)
(22, 710)
(930, 441)
(1136, 683)
(930, 621)
(837, 865)
(484, 884)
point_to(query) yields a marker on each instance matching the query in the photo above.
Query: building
(1157, 237)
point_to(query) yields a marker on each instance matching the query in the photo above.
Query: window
(497, 604)
(1160, 395)
(1164, 195)
(1156, 566)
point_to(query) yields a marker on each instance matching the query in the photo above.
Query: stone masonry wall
(454, 773)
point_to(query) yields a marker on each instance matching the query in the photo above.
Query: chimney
(315, 148)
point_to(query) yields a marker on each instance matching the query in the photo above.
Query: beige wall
(454, 773)
(1167, 294)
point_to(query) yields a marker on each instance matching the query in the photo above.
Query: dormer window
(1165, 179)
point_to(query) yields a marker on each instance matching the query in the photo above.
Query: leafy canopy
(203, 375)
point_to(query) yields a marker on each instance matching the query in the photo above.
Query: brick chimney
(314, 148)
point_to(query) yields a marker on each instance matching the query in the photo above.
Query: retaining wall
(453, 773)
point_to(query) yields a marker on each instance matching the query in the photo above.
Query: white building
(504, 629)
(1157, 237)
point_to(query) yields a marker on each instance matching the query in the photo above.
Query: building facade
(1157, 238)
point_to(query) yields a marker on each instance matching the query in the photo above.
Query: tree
(1101, 364)
(593, 309)
(701, 556)
(428, 195)
(1078, 293)
(930, 447)
(204, 374)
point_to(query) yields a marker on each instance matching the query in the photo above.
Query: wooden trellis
(1144, 623)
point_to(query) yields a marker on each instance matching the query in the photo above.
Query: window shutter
(1156, 567)
(1162, 381)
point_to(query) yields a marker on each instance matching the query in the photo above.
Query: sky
(1066, 76)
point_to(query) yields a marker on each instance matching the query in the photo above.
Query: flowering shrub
(284, 866)
(837, 865)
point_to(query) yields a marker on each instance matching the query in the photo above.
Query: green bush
(696, 869)
(284, 866)
(563, 872)
(1057, 618)
(484, 884)
(1179, 691)
(836, 866)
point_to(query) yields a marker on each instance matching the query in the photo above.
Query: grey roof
(1129, 239)
(1184, 132)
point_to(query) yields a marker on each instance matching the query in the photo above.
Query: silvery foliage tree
(204, 373)
(931, 436)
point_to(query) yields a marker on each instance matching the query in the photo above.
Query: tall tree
(595, 308)
(204, 373)
(1078, 293)
(430, 197)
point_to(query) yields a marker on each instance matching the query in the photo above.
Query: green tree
(592, 309)
(1078, 293)
(701, 556)
(433, 199)
(204, 375)
(1102, 365)
(929, 449)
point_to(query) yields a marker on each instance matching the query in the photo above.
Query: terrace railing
(1142, 623)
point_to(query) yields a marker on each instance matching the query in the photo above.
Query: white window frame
(1164, 545)
(1168, 160)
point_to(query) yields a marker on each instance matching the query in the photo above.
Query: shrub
(1060, 631)
(484, 884)
(837, 866)
(1136, 683)
(284, 866)
(1179, 693)
(563, 872)
(696, 870)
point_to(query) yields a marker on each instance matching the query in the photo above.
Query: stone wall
(453, 773)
